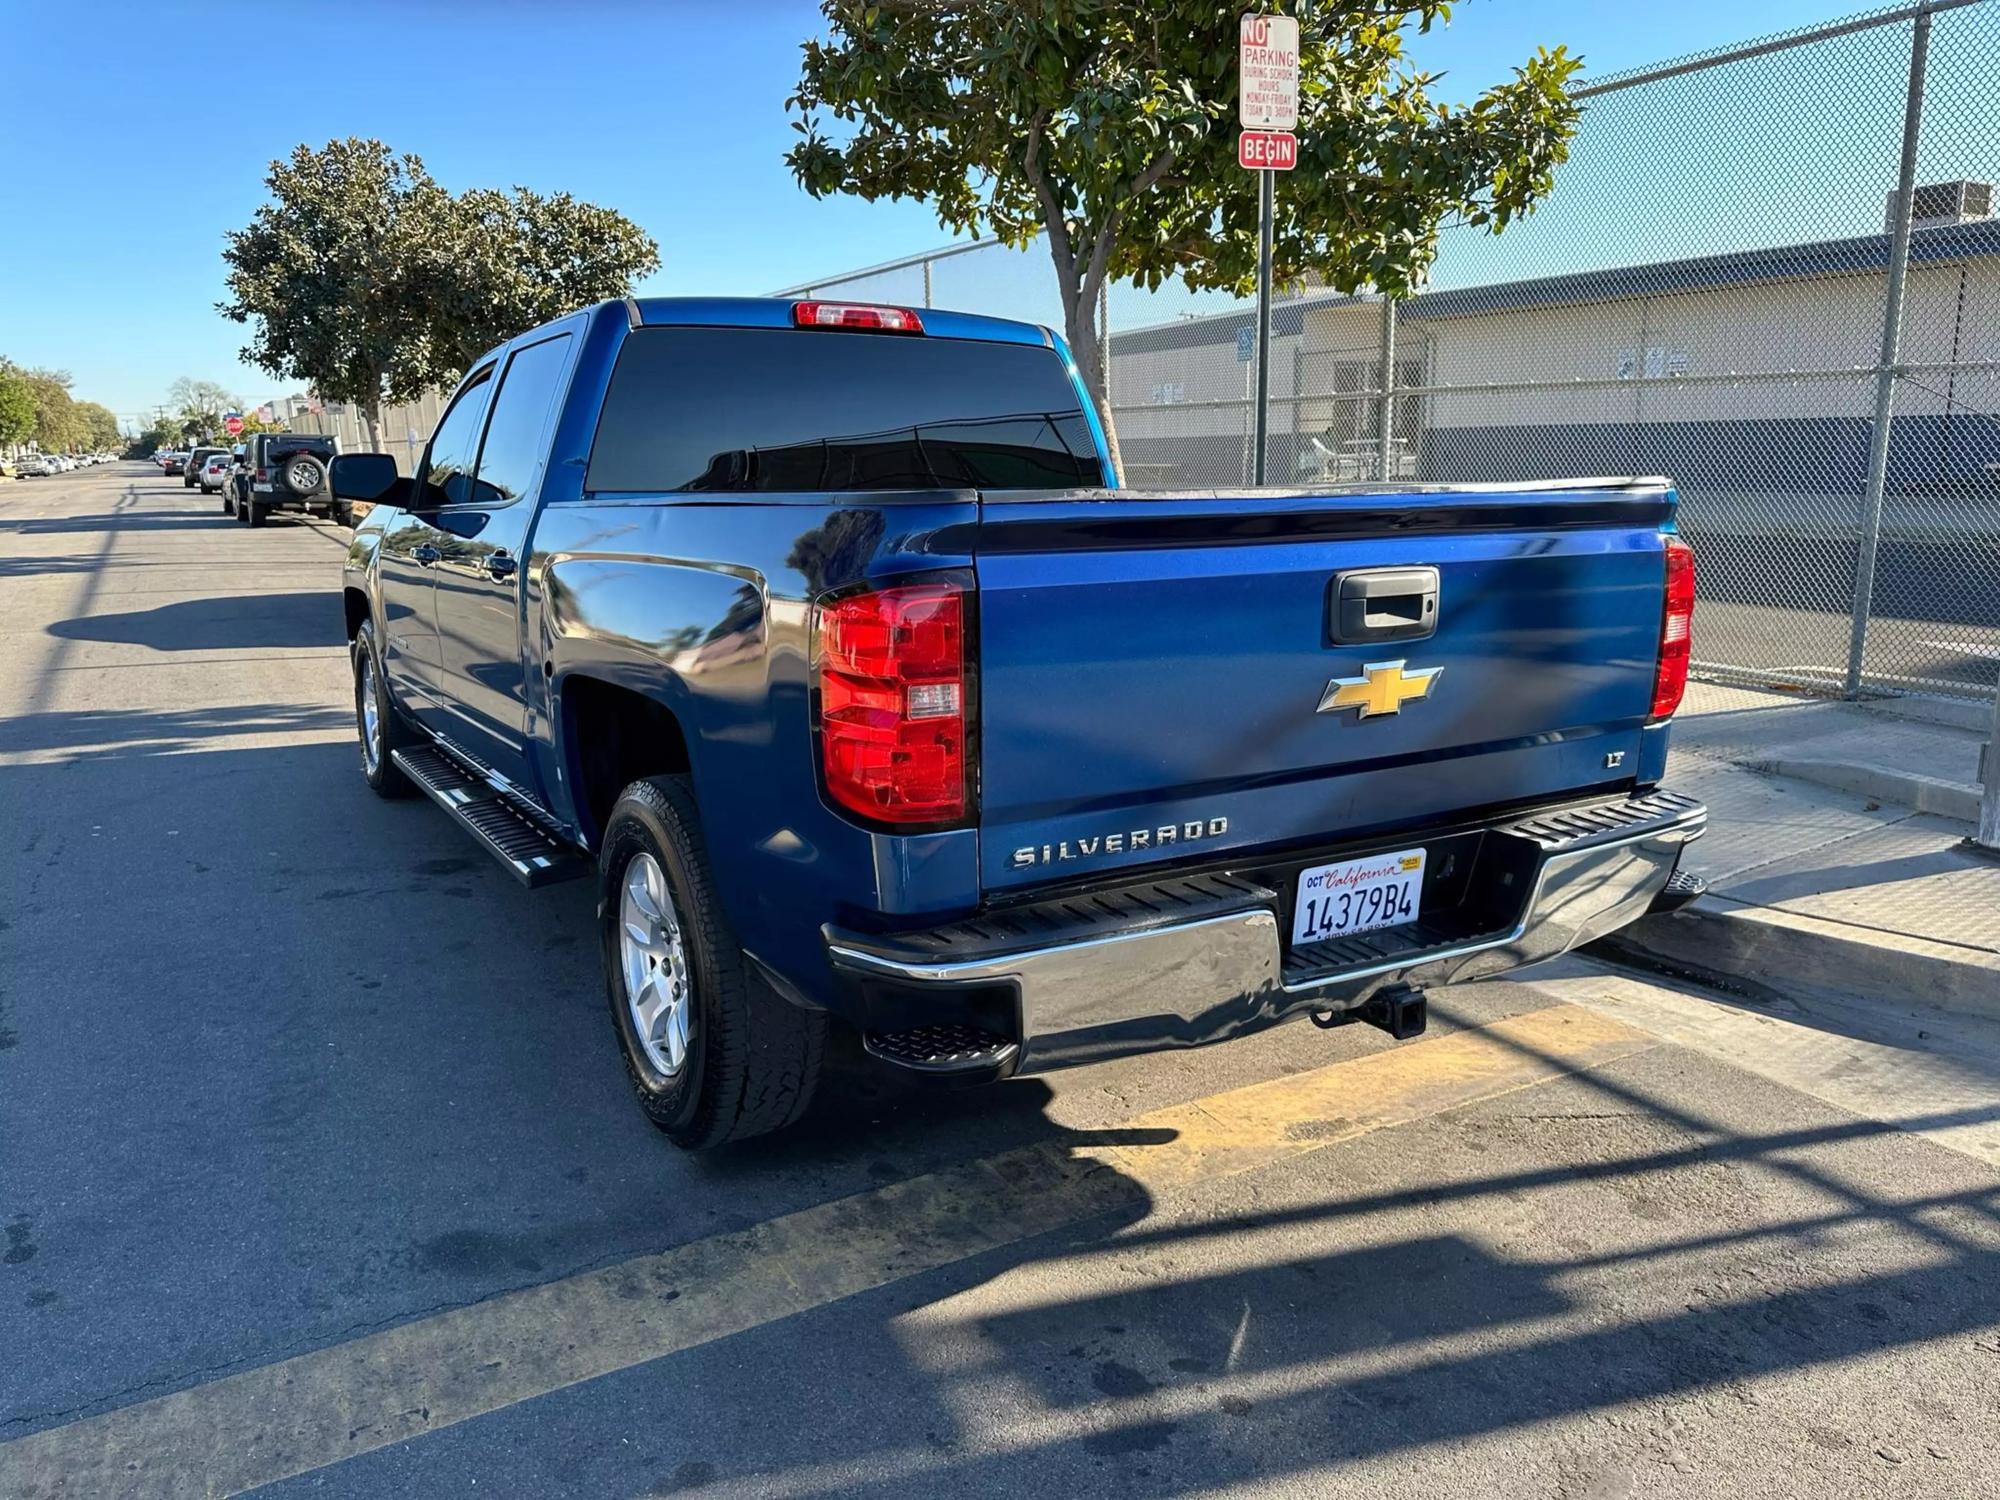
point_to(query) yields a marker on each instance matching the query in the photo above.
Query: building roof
(1949, 242)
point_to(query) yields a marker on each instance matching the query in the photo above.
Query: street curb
(1927, 794)
(1731, 945)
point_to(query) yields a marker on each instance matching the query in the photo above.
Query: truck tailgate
(1152, 667)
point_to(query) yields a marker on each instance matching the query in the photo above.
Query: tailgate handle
(1368, 605)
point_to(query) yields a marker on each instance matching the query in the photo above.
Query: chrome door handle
(500, 566)
(423, 556)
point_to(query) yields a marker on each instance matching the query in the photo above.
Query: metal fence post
(1266, 198)
(1885, 374)
(1987, 839)
(927, 283)
(1385, 431)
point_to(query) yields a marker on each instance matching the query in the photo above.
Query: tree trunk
(1092, 362)
(371, 425)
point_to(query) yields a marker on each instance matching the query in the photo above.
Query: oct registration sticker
(1358, 895)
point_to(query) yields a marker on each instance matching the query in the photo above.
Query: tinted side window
(517, 438)
(448, 468)
(749, 409)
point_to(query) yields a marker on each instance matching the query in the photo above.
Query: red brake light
(856, 315)
(1676, 630)
(892, 703)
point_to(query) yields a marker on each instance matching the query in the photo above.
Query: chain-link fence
(1770, 272)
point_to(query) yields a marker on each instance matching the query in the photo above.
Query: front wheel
(712, 1053)
(376, 721)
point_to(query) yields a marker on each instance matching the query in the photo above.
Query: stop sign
(232, 425)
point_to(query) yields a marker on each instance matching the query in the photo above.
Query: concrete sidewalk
(1834, 854)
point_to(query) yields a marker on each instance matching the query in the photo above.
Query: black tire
(228, 503)
(255, 513)
(243, 510)
(392, 733)
(343, 514)
(752, 1059)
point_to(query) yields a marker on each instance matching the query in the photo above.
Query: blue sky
(125, 160)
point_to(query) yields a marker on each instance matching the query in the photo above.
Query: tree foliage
(1110, 127)
(17, 406)
(100, 426)
(58, 427)
(368, 280)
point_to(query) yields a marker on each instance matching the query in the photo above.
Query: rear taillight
(1676, 630)
(892, 710)
(260, 474)
(864, 315)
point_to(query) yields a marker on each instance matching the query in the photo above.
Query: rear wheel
(343, 514)
(255, 513)
(713, 1054)
(228, 504)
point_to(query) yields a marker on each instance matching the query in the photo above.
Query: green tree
(161, 433)
(17, 405)
(100, 426)
(57, 426)
(1109, 126)
(366, 279)
(521, 258)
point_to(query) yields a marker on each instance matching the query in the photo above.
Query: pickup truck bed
(820, 641)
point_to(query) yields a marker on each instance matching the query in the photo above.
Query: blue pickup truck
(820, 637)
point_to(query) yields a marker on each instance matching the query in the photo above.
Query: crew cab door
(481, 684)
(412, 547)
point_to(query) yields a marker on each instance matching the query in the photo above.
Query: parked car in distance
(36, 466)
(236, 480)
(214, 470)
(879, 703)
(191, 470)
(288, 472)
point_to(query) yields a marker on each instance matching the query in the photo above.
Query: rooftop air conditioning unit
(1940, 203)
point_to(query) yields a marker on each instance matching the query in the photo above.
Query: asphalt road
(317, 1173)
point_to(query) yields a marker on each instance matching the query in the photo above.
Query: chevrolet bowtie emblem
(1382, 688)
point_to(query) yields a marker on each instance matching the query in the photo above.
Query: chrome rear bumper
(1110, 989)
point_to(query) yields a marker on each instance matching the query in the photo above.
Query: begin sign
(1267, 150)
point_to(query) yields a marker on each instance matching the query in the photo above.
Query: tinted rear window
(739, 410)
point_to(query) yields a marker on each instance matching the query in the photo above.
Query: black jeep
(287, 471)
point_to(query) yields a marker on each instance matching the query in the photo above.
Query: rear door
(412, 547)
(478, 579)
(1171, 676)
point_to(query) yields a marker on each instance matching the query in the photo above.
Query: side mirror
(369, 478)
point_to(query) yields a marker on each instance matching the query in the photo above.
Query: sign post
(233, 424)
(1267, 107)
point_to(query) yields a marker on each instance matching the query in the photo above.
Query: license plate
(1358, 895)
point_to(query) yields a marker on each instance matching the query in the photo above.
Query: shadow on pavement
(383, 1083)
(223, 623)
(113, 731)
